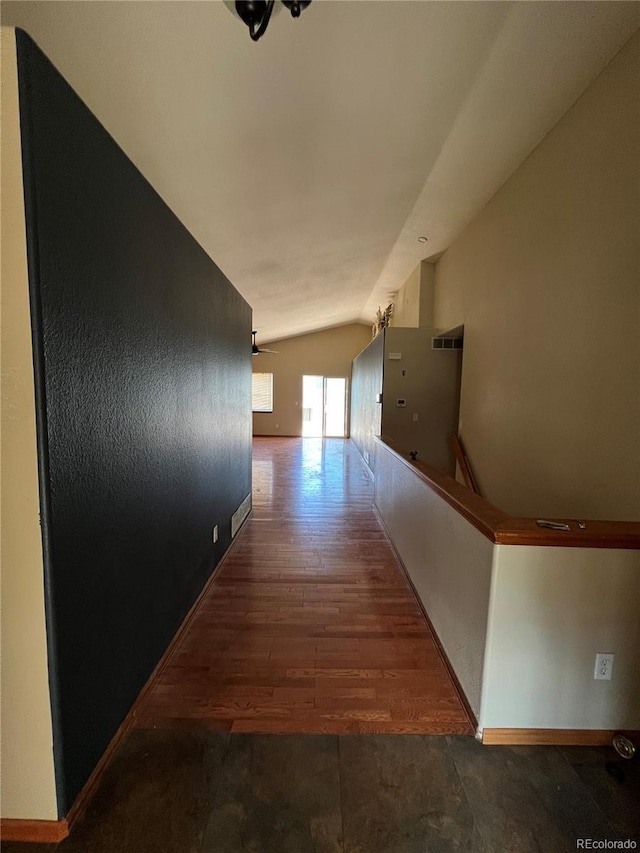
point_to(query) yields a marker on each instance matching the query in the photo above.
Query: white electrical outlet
(215, 533)
(604, 666)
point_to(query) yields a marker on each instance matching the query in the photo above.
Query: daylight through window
(262, 392)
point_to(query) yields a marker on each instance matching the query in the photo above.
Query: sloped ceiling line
(308, 164)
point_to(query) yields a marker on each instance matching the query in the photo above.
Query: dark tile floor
(205, 792)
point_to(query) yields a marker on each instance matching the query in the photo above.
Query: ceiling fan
(256, 350)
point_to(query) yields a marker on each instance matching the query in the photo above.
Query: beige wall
(547, 282)
(520, 624)
(366, 408)
(427, 290)
(28, 785)
(429, 381)
(552, 610)
(448, 560)
(413, 303)
(406, 303)
(326, 353)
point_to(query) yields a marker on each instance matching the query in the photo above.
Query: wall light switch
(395, 356)
(415, 417)
(215, 533)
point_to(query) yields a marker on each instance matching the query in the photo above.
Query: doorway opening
(324, 407)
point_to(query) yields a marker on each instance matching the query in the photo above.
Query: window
(262, 392)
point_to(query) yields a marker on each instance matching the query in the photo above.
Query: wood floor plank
(310, 624)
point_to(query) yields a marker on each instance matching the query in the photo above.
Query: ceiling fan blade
(256, 350)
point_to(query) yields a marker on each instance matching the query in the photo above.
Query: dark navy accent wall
(144, 412)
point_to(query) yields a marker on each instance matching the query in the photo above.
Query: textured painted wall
(26, 739)
(552, 610)
(429, 381)
(413, 303)
(143, 368)
(406, 303)
(545, 280)
(366, 383)
(448, 560)
(520, 624)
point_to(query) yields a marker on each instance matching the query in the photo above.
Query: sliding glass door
(324, 406)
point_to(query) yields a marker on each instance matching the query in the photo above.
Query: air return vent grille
(239, 515)
(446, 343)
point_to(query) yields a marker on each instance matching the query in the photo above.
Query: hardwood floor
(310, 624)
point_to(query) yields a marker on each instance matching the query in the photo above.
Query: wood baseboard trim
(553, 737)
(276, 435)
(42, 831)
(130, 720)
(443, 655)
(36, 831)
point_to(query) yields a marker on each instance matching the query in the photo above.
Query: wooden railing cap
(504, 529)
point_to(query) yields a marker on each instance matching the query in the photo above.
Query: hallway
(310, 625)
(310, 630)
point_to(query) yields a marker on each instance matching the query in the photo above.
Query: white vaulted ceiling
(307, 164)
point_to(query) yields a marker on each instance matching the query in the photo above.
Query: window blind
(262, 392)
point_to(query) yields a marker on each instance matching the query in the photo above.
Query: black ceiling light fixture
(256, 13)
